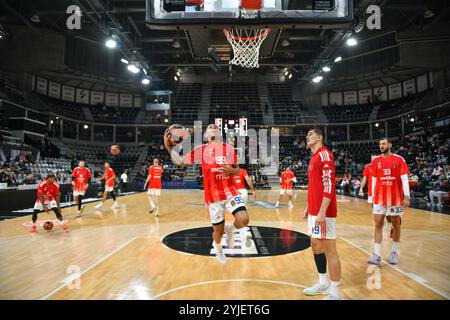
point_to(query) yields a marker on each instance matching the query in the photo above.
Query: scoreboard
(236, 126)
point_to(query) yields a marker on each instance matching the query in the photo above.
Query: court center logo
(265, 242)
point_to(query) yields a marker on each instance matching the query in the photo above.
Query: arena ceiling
(163, 53)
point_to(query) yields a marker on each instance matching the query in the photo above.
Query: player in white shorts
(239, 182)
(48, 199)
(219, 165)
(286, 179)
(154, 178)
(390, 190)
(321, 214)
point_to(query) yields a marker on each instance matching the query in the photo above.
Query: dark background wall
(29, 51)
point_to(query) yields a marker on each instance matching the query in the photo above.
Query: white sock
(334, 289)
(217, 247)
(395, 246)
(278, 202)
(61, 222)
(323, 279)
(377, 249)
(152, 204)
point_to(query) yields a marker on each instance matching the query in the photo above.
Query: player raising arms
(286, 179)
(219, 164)
(239, 182)
(80, 181)
(155, 173)
(390, 189)
(110, 177)
(48, 198)
(321, 213)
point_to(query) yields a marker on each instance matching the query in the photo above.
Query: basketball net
(247, 42)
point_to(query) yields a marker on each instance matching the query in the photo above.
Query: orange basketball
(115, 150)
(48, 225)
(177, 133)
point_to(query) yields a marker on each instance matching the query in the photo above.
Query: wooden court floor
(118, 254)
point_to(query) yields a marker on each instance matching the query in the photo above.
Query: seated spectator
(439, 191)
(356, 185)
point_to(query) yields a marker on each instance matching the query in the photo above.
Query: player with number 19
(321, 214)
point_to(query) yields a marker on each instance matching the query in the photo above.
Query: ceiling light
(286, 73)
(285, 43)
(35, 18)
(111, 43)
(85, 126)
(428, 14)
(326, 69)
(175, 77)
(351, 42)
(317, 79)
(290, 76)
(338, 59)
(178, 74)
(133, 68)
(124, 61)
(145, 81)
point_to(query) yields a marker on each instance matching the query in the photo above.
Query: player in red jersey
(367, 179)
(219, 164)
(321, 214)
(155, 173)
(80, 182)
(48, 199)
(390, 190)
(286, 179)
(239, 182)
(110, 178)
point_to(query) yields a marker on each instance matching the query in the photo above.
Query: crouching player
(48, 199)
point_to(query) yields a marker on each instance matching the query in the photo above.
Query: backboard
(302, 14)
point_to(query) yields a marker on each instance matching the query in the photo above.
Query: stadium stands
(186, 102)
(234, 100)
(285, 110)
(350, 113)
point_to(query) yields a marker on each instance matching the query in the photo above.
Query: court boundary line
(406, 274)
(224, 281)
(70, 278)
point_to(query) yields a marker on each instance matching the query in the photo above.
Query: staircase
(87, 114)
(264, 100)
(374, 113)
(316, 115)
(140, 117)
(205, 103)
(134, 172)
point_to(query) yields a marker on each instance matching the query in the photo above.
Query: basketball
(177, 133)
(48, 225)
(115, 150)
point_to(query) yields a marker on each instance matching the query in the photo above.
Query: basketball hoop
(246, 44)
